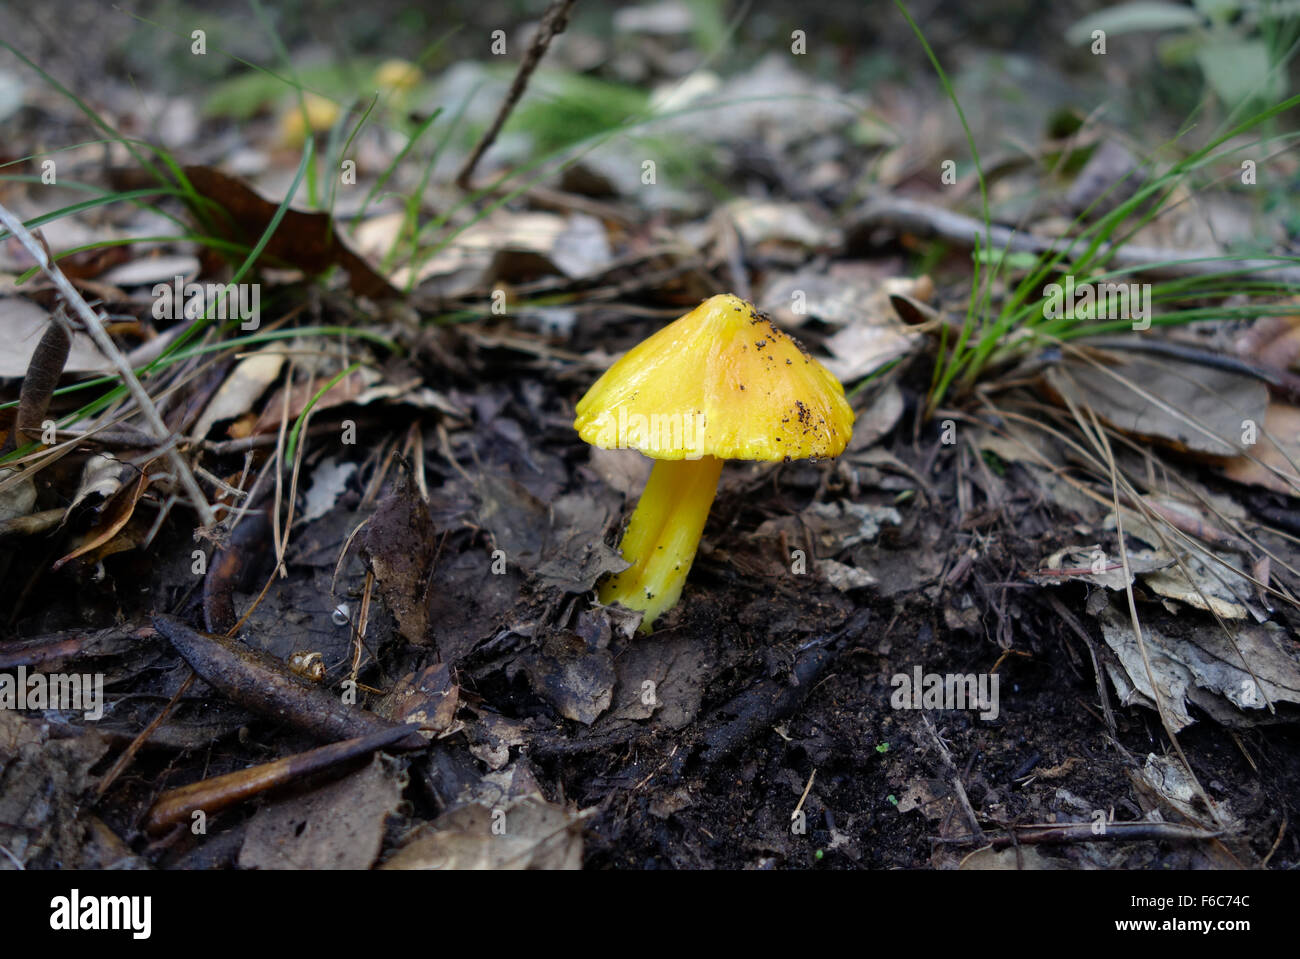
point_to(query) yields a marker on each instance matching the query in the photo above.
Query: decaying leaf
(1091, 565)
(1276, 452)
(563, 546)
(870, 333)
(527, 833)
(346, 390)
(328, 482)
(573, 676)
(663, 681)
(399, 543)
(1164, 786)
(834, 526)
(1201, 666)
(44, 777)
(111, 519)
(766, 224)
(427, 699)
(1212, 586)
(17, 494)
(512, 245)
(1183, 405)
(339, 826)
(843, 577)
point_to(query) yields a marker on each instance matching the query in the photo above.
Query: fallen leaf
(329, 480)
(428, 699)
(529, 833)
(241, 389)
(1202, 666)
(22, 323)
(399, 543)
(1276, 454)
(306, 240)
(1164, 785)
(339, 826)
(112, 518)
(574, 678)
(45, 778)
(1183, 405)
(346, 390)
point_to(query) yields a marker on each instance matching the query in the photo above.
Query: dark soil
(792, 677)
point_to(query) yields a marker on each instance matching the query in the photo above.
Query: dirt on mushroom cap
(721, 381)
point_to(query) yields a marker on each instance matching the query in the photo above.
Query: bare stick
(106, 346)
(921, 219)
(954, 776)
(1066, 832)
(554, 20)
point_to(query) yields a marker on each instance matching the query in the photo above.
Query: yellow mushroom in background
(314, 112)
(720, 383)
(397, 75)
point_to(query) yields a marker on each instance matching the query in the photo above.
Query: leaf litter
(440, 566)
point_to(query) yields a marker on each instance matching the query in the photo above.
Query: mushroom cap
(721, 381)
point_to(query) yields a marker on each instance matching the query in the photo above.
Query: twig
(106, 346)
(1068, 832)
(128, 754)
(806, 790)
(554, 20)
(226, 447)
(954, 776)
(213, 795)
(924, 220)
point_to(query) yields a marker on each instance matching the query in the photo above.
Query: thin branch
(954, 776)
(928, 221)
(554, 20)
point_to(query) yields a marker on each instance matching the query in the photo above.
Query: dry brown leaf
(1091, 565)
(346, 390)
(111, 520)
(1278, 447)
(1272, 340)
(305, 240)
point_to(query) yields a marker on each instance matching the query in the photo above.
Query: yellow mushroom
(397, 75)
(313, 113)
(720, 383)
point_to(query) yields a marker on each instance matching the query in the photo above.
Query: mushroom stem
(662, 536)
